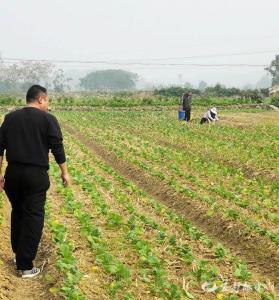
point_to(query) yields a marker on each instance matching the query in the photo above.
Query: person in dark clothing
(27, 135)
(186, 100)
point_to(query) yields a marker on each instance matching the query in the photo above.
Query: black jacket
(28, 134)
(186, 101)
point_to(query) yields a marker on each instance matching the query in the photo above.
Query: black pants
(26, 188)
(203, 120)
(187, 114)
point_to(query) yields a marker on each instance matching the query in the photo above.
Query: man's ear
(40, 99)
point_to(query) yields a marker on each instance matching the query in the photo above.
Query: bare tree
(22, 75)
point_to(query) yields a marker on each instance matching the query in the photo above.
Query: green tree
(109, 80)
(188, 85)
(60, 82)
(264, 82)
(273, 69)
(202, 86)
(220, 90)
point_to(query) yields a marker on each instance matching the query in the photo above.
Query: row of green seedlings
(161, 124)
(160, 209)
(136, 231)
(123, 125)
(66, 261)
(258, 183)
(118, 270)
(237, 143)
(195, 161)
(241, 271)
(201, 157)
(210, 136)
(140, 245)
(215, 207)
(152, 266)
(203, 272)
(165, 128)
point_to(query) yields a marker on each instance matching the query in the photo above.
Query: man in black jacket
(186, 105)
(27, 135)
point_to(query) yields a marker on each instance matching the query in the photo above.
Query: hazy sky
(145, 30)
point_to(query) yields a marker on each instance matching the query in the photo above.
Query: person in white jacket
(210, 116)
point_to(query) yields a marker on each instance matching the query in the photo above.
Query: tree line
(215, 91)
(18, 77)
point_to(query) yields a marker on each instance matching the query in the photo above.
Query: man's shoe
(30, 273)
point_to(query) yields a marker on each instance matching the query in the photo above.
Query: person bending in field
(210, 116)
(186, 101)
(27, 135)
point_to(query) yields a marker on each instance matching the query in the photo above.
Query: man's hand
(65, 179)
(64, 174)
(2, 183)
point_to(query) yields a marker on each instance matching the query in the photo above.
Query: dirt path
(13, 287)
(260, 254)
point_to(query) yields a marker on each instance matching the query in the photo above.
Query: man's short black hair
(34, 92)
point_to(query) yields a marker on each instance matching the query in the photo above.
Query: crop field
(158, 209)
